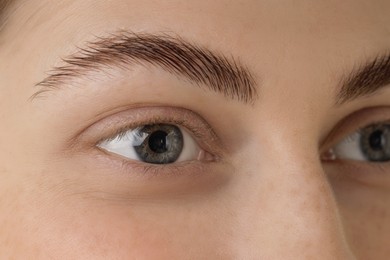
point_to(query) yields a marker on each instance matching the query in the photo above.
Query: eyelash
(121, 132)
(161, 115)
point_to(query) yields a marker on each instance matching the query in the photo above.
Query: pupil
(376, 140)
(158, 142)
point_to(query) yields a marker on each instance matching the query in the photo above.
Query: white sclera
(350, 148)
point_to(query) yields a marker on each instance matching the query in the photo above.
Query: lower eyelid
(142, 171)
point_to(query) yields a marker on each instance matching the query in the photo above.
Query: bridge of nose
(287, 207)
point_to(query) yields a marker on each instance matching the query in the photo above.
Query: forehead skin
(280, 32)
(297, 51)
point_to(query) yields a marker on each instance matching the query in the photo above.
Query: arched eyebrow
(366, 79)
(199, 65)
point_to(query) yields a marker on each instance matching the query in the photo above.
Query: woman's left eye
(371, 143)
(154, 144)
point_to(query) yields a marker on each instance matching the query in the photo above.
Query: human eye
(154, 143)
(151, 151)
(359, 147)
(157, 138)
(370, 143)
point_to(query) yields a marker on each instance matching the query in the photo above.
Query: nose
(288, 210)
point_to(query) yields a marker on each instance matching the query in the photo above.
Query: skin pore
(271, 98)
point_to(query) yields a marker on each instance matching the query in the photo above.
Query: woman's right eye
(154, 144)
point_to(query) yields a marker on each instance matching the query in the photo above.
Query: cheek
(103, 233)
(365, 211)
(84, 227)
(72, 230)
(11, 223)
(37, 223)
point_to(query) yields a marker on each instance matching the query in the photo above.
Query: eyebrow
(4, 6)
(199, 65)
(365, 80)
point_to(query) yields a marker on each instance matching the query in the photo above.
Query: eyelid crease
(177, 56)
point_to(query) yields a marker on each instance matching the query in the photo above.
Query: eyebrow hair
(4, 5)
(199, 65)
(365, 80)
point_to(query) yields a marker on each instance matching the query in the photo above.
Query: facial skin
(265, 187)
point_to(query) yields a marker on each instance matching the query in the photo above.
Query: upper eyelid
(129, 127)
(152, 120)
(112, 125)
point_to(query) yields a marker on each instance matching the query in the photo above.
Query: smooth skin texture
(267, 196)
